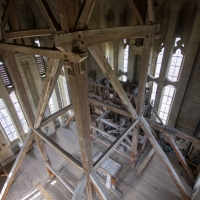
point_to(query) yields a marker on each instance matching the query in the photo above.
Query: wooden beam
(78, 83)
(133, 7)
(56, 114)
(86, 38)
(157, 115)
(147, 130)
(59, 149)
(62, 180)
(43, 191)
(151, 10)
(85, 14)
(44, 51)
(179, 155)
(109, 136)
(48, 15)
(4, 18)
(53, 71)
(27, 33)
(174, 131)
(144, 66)
(113, 108)
(145, 162)
(99, 187)
(33, 50)
(11, 65)
(106, 68)
(102, 115)
(21, 93)
(114, 145)
(196, 187)
(13, 21)
(16, 165)
(106, 144)
(78, 192)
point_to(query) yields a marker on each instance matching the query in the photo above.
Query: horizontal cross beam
(59, 149)
(45, 51)
(113, 108)
(62, 180)
(27, 33)
(83, 39)
(56, 114)
(174, 131)
(114, 145)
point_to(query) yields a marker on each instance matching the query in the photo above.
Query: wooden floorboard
(154, 183)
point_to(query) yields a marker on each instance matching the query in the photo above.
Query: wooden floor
(154, 184)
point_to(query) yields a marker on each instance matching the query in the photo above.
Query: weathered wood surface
(53, 71)
(59, 149)
(179, 155)
(147, 130)
(106, 68)
(16, 165)
(80, 187)
(78, 82)
(133, 7)
(48, 15)
(43, 191)
(27, 33)
(13, 70)
(109, 136)
(82, 39)
(62, 180)
(33, 50)
(99, 187)
(196, 187)
(21, 92)
(175, 131)
(85, 14)
(113, 108)
(154, 181)
(114, 145)
(145, 162)
(56, 114)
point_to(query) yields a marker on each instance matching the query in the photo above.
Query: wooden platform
(155, 182)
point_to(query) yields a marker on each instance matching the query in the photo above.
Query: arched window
(19, 111)
(51, 105)
(175, 65)
(125, 67)
(173, 75)
(166, 102)
(158, 63)
(157, 73)
(6, 122)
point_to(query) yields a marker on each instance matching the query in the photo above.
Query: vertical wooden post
(78, 84)
(141, 88)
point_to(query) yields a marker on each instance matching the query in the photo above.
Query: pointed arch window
(173, 75)
(175, 65)
(166, 102)
(51, 105)
(157, 73)
(19, 111)
(125, 67)
(6, 122)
